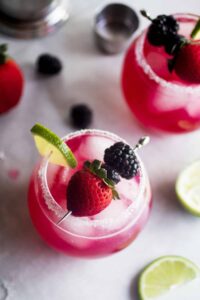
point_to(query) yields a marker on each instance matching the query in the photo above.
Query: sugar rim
(142, 62)
(59, 211)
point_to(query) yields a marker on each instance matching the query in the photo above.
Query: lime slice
(48, 143)
(188, 188)
(164, 274)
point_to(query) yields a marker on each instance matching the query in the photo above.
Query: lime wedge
(164, 274)
(48, 143)
(188, 188)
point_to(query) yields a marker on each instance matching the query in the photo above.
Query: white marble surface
(28, 268)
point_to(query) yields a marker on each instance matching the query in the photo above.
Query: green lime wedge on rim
(188, 188)
(47, 142)
(164, 274)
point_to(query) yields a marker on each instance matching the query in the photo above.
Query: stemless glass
(112, 229)
(157, 98)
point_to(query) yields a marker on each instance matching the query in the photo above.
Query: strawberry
(11, 81)
(89, 191)
(187, 63)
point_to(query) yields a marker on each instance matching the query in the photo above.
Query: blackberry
(155, 36)
(80, 116)
(172, 24)
(111, 173)
(122, 159)
(160, 28)
(173, 43)
(48, 64)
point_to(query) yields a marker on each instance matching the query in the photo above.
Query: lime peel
(48, 143)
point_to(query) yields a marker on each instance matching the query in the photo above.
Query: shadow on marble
(81, 41)
(134, 287)
(165, 193)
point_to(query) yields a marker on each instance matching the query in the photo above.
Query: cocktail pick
(146, 15)
(67, 214)
(142, 142)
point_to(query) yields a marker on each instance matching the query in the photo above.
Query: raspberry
(122, 159)
(48, 64)
(111, 173)
(81, 116)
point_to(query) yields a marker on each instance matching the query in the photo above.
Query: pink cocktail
(107, 232)
(158, 98)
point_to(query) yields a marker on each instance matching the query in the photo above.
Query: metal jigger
(32, 18)
(114, 27)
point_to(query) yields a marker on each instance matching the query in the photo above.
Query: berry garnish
(89, 190)
(185, 53)
(80, 116)
(161, 27)
(48, 64)
(121, 157)
(111, 173)
(11, 81)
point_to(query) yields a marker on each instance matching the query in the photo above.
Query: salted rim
(142, 62)
(59, 211)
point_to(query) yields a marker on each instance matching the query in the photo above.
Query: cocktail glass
(105, 233)
(160, 99)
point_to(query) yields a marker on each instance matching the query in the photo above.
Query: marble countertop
(28, 268)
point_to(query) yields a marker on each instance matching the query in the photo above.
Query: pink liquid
(158, 98)
(107, 232)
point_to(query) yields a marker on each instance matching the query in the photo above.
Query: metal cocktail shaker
(31, 18)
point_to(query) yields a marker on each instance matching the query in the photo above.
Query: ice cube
(81, 227)
(94, 147)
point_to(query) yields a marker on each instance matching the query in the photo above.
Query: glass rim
(59, 212)
(142, 62)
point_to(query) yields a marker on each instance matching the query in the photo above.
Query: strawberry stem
(196, 30)
(3, 53)
(95, 167)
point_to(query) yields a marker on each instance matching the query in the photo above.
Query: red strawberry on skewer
(187, 65)
(89, 190)
(187, 60)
